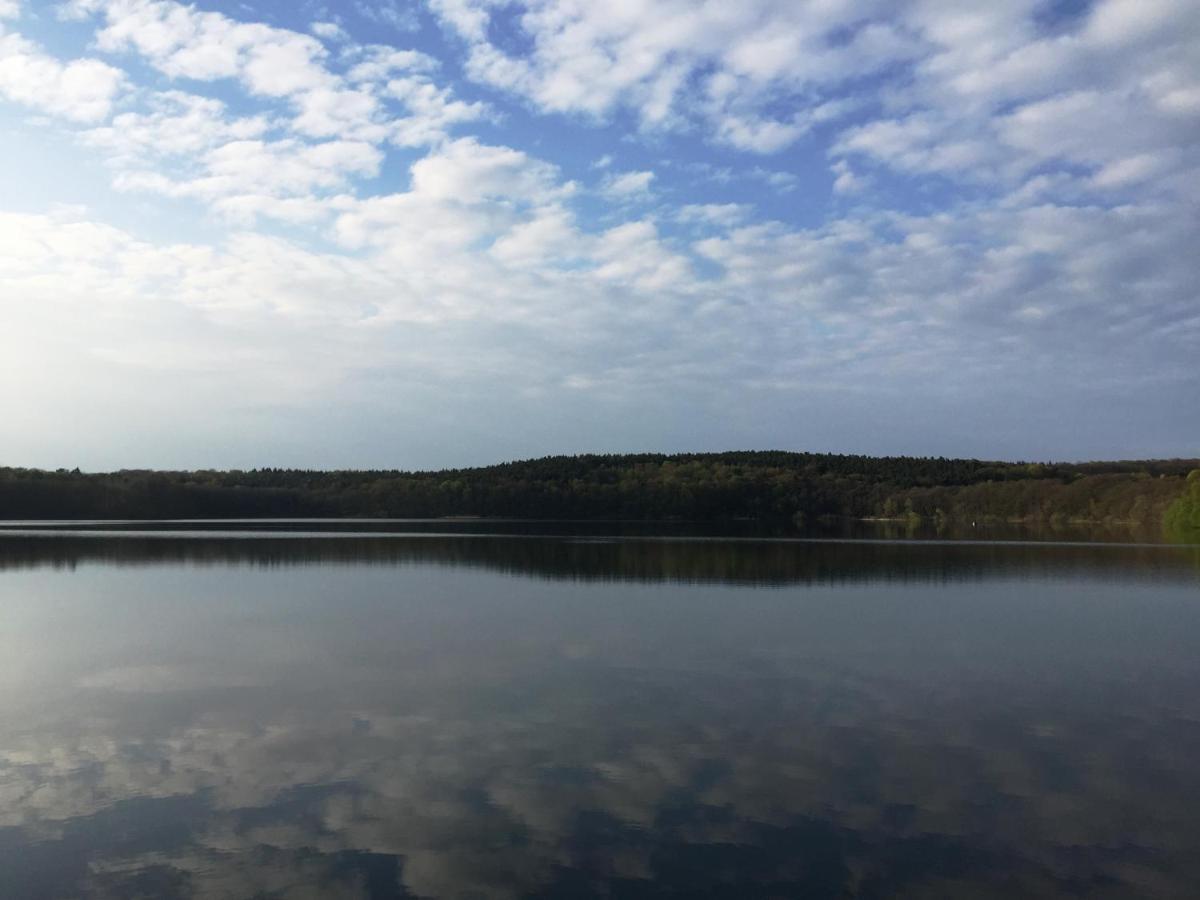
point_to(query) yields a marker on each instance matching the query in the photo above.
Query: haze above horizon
(422, 235)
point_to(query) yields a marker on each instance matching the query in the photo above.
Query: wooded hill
(765, 485)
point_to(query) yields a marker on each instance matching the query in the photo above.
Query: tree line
(771, 486)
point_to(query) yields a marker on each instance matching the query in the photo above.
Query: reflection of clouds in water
(245, 871)
(160, 678)
(338, 733)
(615, 781)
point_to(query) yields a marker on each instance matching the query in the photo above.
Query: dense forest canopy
(765, 485)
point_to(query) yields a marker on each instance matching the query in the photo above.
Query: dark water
(474, 716)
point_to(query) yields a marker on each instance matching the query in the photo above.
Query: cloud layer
(983, 203)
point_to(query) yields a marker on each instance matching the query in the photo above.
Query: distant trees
(766, 486)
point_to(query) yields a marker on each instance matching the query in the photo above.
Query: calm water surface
(282, 716)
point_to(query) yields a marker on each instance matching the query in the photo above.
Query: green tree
(1183, 516)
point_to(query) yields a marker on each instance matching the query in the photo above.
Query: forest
(768, 486)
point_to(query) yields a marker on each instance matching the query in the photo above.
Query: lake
(386, 710)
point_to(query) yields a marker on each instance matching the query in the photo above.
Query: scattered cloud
(676, 62)
(245, 178)
(378, 63)
(328, 127)
(846, 180)
(785, 182)
(183, 42)
(330, 31)
(628, 184)
(1024, 196)
(401, 15)
(724, 214)
(177, 124)
(82, 90)
(432, 110)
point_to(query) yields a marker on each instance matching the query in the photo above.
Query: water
(197, 714)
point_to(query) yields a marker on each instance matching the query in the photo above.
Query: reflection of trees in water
(636, 783)
(817, 765)
(773, 562)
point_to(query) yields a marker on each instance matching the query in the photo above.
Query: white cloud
(846, 180)
(464, 197)
(549, 237)
(623, 185)
(634, 254)
(378, 63)
(338, 122)
(284, 179)
(1092, 128)
(274, 62)
(785, 182)
(398, 14)
(723, 214)
(184, 42)
(330, 31)
(964, 91)
(1132, 22)
(920, 143)
(677, 61)
(178, 124)
(468, 171)
(998, 95)
(1131, 170)
(9, 9)
(82, 90)
(432, 110)
(485, 240)
(335, 112)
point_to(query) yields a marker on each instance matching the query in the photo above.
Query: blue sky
(416, 234)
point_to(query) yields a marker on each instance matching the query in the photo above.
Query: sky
(430, 233)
